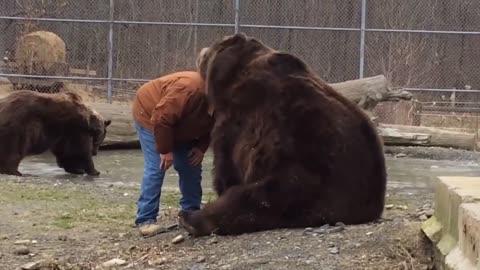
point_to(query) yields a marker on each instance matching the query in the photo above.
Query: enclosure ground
(68, 225)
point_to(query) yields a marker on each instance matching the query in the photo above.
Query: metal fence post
(362, 39)
(237, 16)
(110, 54)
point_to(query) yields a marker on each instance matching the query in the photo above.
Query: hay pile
(40, 53)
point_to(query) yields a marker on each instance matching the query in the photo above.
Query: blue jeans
(148, 204)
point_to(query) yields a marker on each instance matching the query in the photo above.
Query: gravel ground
(53, 224)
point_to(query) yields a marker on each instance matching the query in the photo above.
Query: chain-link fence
(111, 47)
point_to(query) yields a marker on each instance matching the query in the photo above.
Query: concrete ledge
(454, 228)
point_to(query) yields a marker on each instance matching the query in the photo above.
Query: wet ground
(126, 167)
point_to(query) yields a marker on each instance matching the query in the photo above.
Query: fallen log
(366, 92)
(393, 136)
(438, 137)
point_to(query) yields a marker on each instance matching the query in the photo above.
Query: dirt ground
(82, 225)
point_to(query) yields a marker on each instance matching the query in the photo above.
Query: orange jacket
(175, 108)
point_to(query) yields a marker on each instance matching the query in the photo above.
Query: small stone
(21, 250)
(178, 239)
(389, 206)
(423, 217)
(429, 212)
(402, 207)
(114, 262)
(331, 244)
(369, 233)
(201, 259)
(32, 266)
(426, 206)
(336, 229)
(333, 250)
(213, 240)
(22, 242)
(4, 237)
(34, 242)
(357, 245)
(121, 235)
(340, 224)
(400, 155)
(62, 237)
(157, 262)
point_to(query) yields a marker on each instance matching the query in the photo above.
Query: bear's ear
(107, 122)
(73, 96)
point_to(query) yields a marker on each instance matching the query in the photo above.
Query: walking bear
(32, 123)
(289, 151)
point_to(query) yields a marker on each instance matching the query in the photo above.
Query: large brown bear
(289, 151)
(32, 123)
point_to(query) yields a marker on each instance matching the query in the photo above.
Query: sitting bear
(32, 123)
(289, 151)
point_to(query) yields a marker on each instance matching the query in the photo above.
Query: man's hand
(166, 161)
(196, 156)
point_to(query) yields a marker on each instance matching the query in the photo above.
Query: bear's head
(74, 150)
(97, 129)
(228, 61)
(231, 53)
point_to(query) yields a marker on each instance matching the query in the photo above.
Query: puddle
(125, 167)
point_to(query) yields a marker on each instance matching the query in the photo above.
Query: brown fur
(289, 151)
(32, 123)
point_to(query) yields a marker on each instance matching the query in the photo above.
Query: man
(173, 121)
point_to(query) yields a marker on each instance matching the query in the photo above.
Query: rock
(21, 250)
(357, 245)
(400, 155)
(22, 242)
(212, 241)
(178, 239)
(34, 242)
(429, 212)
(4, 237)
(32, 266)
(389, 206)
(340, 224)
(201, 259)
(333, 250)
(402, 207)
(114, 262)
(421, 212)
(122, 235)
(62, 237)
(308, 230)
(320, 230)
(336, 229)
(426, 206)
(369, 233)
(158, 261)
(423, 217)
(331, 244)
